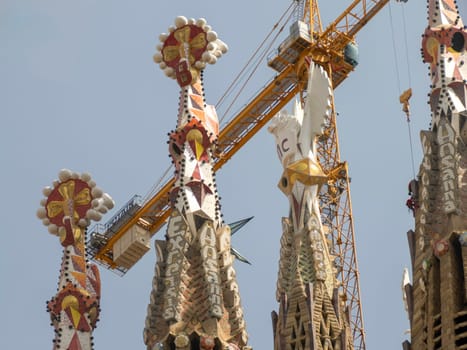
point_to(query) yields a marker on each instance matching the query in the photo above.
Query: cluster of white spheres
(101, 202)
(214, 49)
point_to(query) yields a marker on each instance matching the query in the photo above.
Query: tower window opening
(458, 42)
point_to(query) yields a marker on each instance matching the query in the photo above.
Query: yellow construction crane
(125, 238)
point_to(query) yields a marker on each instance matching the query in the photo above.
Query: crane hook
(404, 99)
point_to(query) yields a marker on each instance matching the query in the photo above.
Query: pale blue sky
(78, 89)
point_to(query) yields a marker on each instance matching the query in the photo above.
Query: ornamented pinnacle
(195, 303)
(187, 48)
(444, 49)
(437, 296)
(67, 209)
(307, 284)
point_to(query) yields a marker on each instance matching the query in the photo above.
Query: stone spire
(69, 206)
(438, 244)
(310, 315)
(195, 302)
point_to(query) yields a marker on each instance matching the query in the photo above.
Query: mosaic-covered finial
(67, 209)
(75, 196)
(187, 48)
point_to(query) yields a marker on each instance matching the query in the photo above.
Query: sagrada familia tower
(310, 309)
(437, 300)
(67, 210)
(195, 301)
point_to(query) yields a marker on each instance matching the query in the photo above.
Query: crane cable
(256, 60)
(238, 77)
(155, 188)
(404, 96)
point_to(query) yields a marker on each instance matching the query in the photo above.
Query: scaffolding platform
(290, 49)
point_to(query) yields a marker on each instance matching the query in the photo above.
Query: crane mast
(336, 209)
(332, 49)
(335, 199)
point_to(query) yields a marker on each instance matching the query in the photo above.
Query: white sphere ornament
(85, 177)
(53, 229)
(163, 37)
(211, 46)
(200, 65)
(212, 59)
(169, 72)
(47, 191)
(93, 214)
(223, 46)
(201, 22)
(97, 192)
(41, 213)
(211, 36)
(181, 21)
(64, 175)
(157, 57)
(206, 56)
(108, 201)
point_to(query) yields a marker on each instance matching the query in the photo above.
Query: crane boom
(327, 48)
